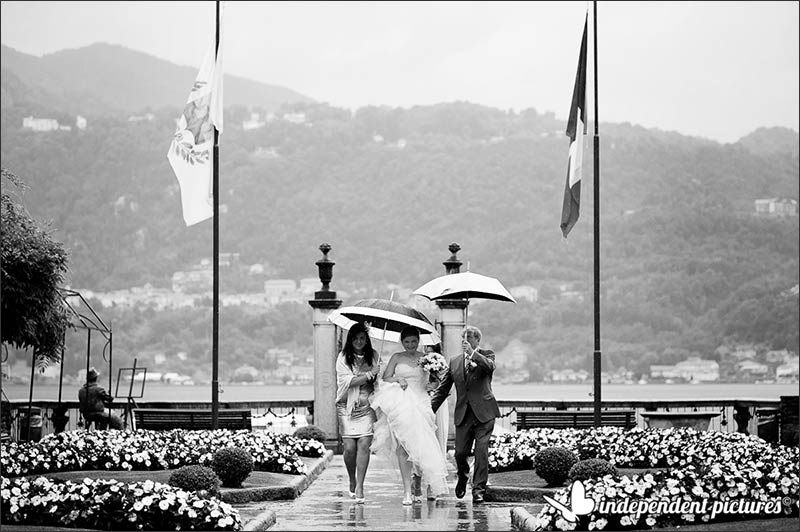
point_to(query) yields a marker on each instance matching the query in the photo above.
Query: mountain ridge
(686, 264)
(104, 84)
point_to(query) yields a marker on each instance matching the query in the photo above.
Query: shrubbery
(232, 465)
(591, 468)
(310, 432)
(553, 464)
(197, 478)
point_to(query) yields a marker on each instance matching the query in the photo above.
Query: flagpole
(596, 165)
(215, 312)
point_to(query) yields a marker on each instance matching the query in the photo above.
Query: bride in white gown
(406, 427)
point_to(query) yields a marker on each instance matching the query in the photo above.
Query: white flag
(192, 150)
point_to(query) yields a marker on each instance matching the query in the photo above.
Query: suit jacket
(473, 387)
(94, 399)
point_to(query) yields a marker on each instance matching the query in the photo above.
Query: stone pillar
(452, 319)
(325, 351)
(452, 312)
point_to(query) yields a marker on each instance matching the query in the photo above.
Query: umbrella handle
(383, 338)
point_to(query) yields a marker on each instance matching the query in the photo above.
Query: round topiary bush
(311, 432)
(197, 478)
(592, 468)
(232, 465)
(553, 464)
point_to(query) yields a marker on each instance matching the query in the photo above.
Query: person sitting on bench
(94, 400)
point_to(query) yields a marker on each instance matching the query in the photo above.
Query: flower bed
(139, 506)
(108, 504)
(735, 471)
(148, 450)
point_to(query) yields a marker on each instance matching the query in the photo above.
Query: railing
(736, 415)
(296, 411)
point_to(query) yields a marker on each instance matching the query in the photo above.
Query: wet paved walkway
(325, 505)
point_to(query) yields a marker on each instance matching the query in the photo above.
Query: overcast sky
(712, 69)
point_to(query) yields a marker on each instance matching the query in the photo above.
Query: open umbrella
(386, 319)
(466, 285)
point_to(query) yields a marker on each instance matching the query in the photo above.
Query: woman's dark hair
(350, 352)
(409, 330)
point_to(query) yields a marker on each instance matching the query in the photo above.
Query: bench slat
(560, 419)
(167, 419)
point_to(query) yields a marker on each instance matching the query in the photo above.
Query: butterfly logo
(580, 504)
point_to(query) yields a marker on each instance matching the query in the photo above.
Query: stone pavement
(325, 505)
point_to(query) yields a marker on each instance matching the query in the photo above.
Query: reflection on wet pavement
(325, 505)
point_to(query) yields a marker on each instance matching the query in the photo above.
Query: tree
(33, 267)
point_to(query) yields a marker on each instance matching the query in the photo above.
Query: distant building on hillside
(691, 369)
(266, 153)
(255, 122)
(776, 207)
(753, 368)
(743, 352)
(277, 290)
(228, 259)
(309, 285)
(697, 369)
(569, 375)
(148, 117)
(788, 372)
(663, 371)
(40, 124)
(779, 356)
(295, 118)
(193, 281)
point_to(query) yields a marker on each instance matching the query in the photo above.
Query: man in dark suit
(476, 409)
(94, 401)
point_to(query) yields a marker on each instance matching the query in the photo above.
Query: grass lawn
(256, 479)
(527, 478)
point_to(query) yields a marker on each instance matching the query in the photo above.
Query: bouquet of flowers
(433, 363)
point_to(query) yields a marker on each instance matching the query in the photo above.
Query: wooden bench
(574, 419)
(172, 418)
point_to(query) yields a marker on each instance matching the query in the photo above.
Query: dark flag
(576, 123)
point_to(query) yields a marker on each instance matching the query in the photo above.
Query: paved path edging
(267, 518)
(518, 494)
(521, 519)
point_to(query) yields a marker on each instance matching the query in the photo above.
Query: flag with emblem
(191, 152)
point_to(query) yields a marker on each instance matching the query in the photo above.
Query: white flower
(563, 524)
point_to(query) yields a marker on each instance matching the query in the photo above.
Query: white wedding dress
(405, 418)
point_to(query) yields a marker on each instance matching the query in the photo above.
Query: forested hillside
(685, 264)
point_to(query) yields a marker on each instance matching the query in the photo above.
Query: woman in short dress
(357, 367)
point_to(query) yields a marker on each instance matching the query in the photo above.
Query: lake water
(527, 392)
